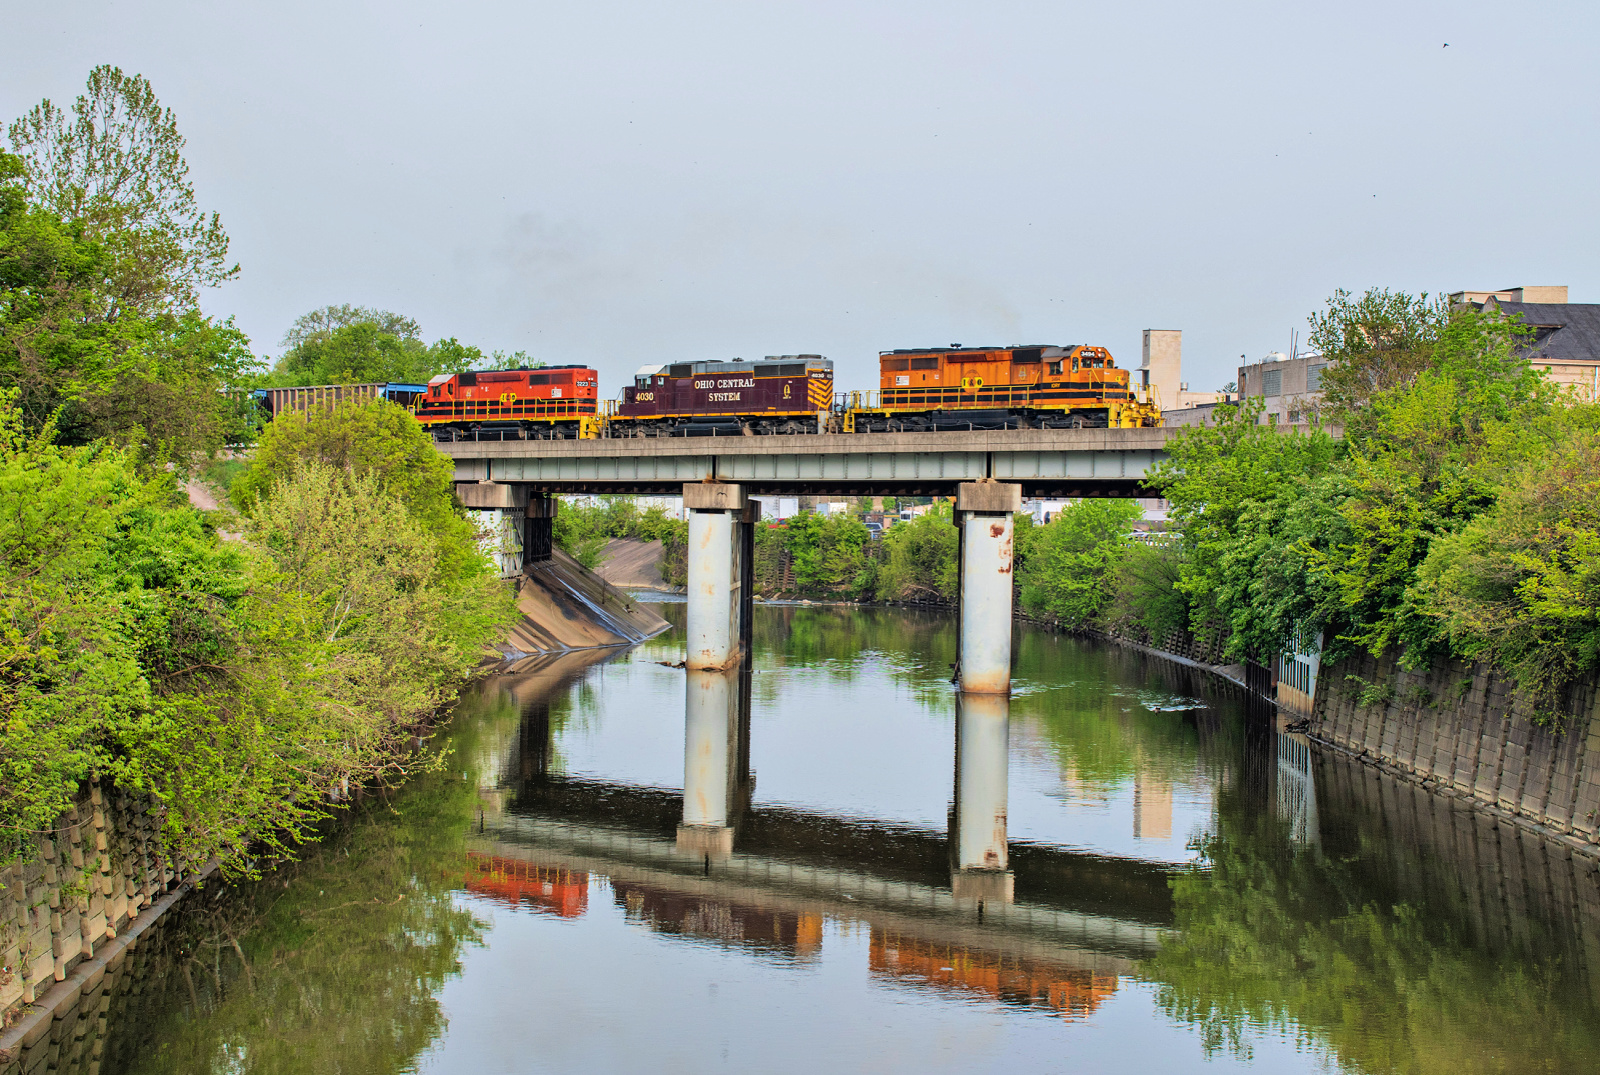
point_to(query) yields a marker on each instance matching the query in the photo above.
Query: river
(1183, 889)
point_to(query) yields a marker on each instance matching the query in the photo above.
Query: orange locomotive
(1039, 387)
(549, 403)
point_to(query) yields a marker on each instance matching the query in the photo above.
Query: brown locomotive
(781, 394)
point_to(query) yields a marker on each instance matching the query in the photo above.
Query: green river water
(1190, 891)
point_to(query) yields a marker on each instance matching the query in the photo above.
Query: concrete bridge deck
(1053, 462)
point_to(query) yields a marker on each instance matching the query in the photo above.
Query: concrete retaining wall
(90, 878)
(1463, 728)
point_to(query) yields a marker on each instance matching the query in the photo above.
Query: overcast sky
(622, 183)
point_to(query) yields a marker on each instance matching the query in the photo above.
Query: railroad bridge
(1044, 462)
(988, 472)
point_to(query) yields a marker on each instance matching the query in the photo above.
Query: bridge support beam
(719, 575)
(538, 536)
(983, 514)
(978, 830)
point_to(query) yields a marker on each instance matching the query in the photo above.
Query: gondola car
(1039, 387)
(549, 403)
(779, 394)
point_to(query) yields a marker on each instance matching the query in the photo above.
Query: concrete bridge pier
(984, 518)
(980, 866)
(720, 565)
(715, 760)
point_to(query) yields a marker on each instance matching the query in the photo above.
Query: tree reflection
(334, 963)
(1367, 948)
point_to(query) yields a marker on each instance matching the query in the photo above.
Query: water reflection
(978, 817)
(596, 879)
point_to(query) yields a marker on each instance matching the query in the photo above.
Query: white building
(778, 508)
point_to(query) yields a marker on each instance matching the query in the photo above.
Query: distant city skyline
(619, 184)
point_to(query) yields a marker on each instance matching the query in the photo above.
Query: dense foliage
(1451, 517)
(240, 683)
(358, 345)
(102, 252)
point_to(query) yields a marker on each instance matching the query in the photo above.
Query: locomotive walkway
(1044, 462)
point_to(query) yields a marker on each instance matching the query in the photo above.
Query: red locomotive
(781, 394)
(549, 403)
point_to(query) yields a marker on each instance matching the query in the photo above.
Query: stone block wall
(90, 877)
(1463, 727)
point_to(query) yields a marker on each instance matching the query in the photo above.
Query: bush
(1071, 561)
(919, 558)
(239, 684)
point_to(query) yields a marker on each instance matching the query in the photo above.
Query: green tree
(67, 668)
(580, 531)
(323, 322)
(115, 166)
(374, 437)
(1241, 498)
(359, 345)
(1377, 342)
(1145, 591)
(1073, 559)
(919, 558)
(1520, 584)
(51, 347)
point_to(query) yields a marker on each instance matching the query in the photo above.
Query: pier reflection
(942, 911)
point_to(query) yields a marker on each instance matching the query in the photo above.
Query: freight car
(549, 403)
(779, 394)
(1039, 387)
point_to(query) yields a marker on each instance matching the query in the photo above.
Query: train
(548, 403)
(920, 389)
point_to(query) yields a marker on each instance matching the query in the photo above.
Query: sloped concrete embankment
(633, 564)
(565, 607)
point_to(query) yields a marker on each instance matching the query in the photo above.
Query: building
(1290, 387)
(1161, 367)
(775, 509)
(1566, 340)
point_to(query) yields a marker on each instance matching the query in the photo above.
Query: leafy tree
(358, 344)
(1423, 460)
(1520, 583)
(1380, 341)
(171, 393)
(581, 531)
(47, 277)
(920, 558)
(1074, 557)
(1240, 495)
(115, 166)
(158, 380)
(374, 438)
(320, 324)
(364, 352)
(66, 667)
(1145, 591)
